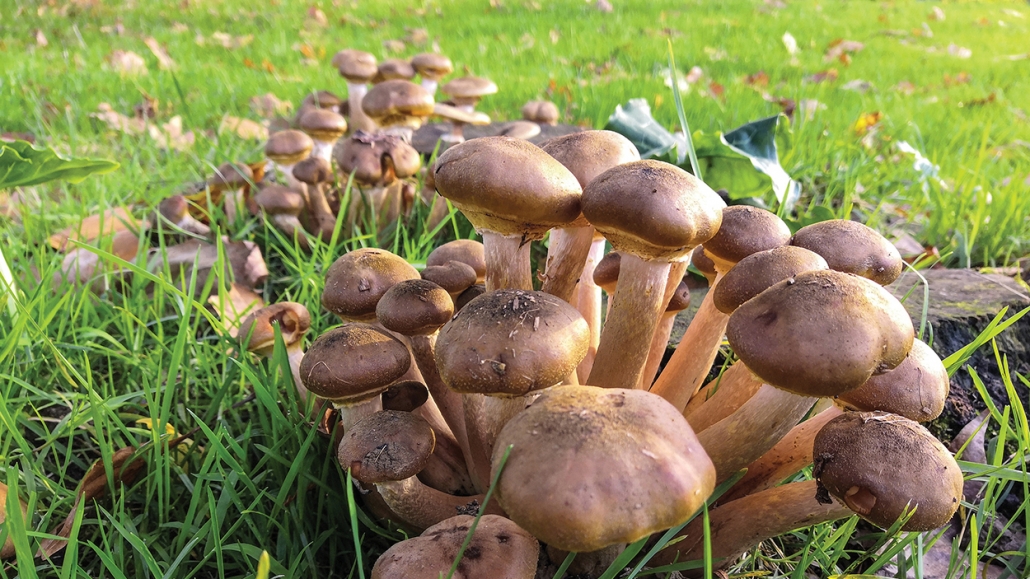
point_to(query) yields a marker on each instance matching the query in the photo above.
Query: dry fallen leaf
(41, 40)
(959, 51)
(790, 43)
(757, 80)
(243, 261)
(416, 36)
(808, 108)
(164, 61)
(840, 47)
(227, 40)
(235, 304)
(269, 106)
(937, 13)
(858, 85)
(867, 121)
(824, 76)
(315, 17)
(119, 122)
(394, 45)
(182, 443)
(603, 6)
(7, 549)
(960, 78)
(243, 128)
(905, 87)
(127, 63)
(179, 28)
(717, 91)
(171, 136)
(95, 226)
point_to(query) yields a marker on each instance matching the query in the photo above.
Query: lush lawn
(77, 372)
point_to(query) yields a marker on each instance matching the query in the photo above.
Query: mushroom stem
(720, 397)
(566, 257)
(508, 263)
(422, 506)
(323, 149)
(325, 221)
(295, 353)
(359, 121)
(485, 416)
(353, 412)
(291, 227)
(754, 428)
(430, 84)
(660, 339)
(787, 458)
(693, 358)
(588, 302)
(627, 333)
(740, 525)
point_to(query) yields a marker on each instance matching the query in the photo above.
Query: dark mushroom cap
(415, 307)
(680, 298)
(745, 230)
(394, 69)
(587, 154)
(916, 389)
(454, 276)
(591, 467)
(313, 170)
(229, 176)
(277, 199)
(606, 273)
(652, 209)
(468, 295)
(386, 446)
(398, 102)
(432, 65)
(323, 124)
(405, 396)
(543, 112)
(519, 130)
(821, 333)
(467, 251)
(469, 87)
(758, 271)
(353, 363)
(358, 279)
(509, 186)
(174, 208)
(852, 247)
(355, 65)
(321, 99)
(376, 159)
(703, 263)
(289, 146)
(257, 331)
(499, 549)
(878, 464)
(510, 343)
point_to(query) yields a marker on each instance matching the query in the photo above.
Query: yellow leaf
(867, 121)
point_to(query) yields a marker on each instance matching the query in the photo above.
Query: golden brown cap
(321, 99)
(323, 124)
(230, 176)
(257, 331)
(277, 199)
(759, 271)
(312, 171)
(398, 103)
(745, 230)
(606, 274)
(355, 65)
(389, 445)
(542, 112)
(415, 307)
(467, 251)
(916, 389)
(406, 396)
(353, 363)
(454, 276)
(469, 87)
(703, 263)
(432, 65)
(376, 159)
(358, 279)
(852, 247)
(394, 69)
(289, 146)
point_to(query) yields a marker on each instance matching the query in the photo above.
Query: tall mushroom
(313, 173)
(228, 184)
(432, 67)
(467, 91)
(358, 68)
(325, 127)
(398, 107)
(287, 148)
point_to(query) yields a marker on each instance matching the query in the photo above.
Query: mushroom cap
(652, 209)
(703, 263)
(353, 363)
(389, 445)
(591, 467)
(916, 389)
(469, 87)
(398, 102)
(468, 295)
(499, 549)
(519, 129)
(510, 343)
(432, 65)
(174, 208)
(394, 69)
(542, 112)
(257, 331)
(509, 186)
(371, 156)
(680, 299)
(355, 65)
(312, 171)
(587, 154)
(745, 230)
(757, 272)
(289, 146)
(357, 280)
(452, 113)
(467, 251)
(454, 276)
(606, 273)
(878, 464)
(323, 124)
(321, 99)
(415, 307)
(852, 247)
(230, 176)
(278, 199)
(821, 333)
(405, 396)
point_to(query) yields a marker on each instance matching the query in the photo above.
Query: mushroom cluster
(462, 374)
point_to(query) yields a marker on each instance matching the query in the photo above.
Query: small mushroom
(540, 112)
(283, 207)
(467, 251)
(313, 173)
(175, 210)
(852, 247)
(398, 107)
(325, 127)
(458, 119)
(257, 335)
(394, 69)
(287, 148)
(358, 68)
(467, 91)
(431, 67)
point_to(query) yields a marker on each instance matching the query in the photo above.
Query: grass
(77, 373)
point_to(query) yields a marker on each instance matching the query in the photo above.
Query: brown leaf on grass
(394, 45)
(979, 102)
(787, 105)
(841, 47)
(40, 38)
(164, 61)
(228, 41)
(866, 122)
(858, 85)
(960, 78)
(119, 122)
(808, 107)
(125, 467)
(7, 549)
(416, 36)
(717, 91)
(127, 63)
(823, 76)
(234, 304)
(937, 14)
(269, 106)
(170, 135)
(179, 28)
(243, 263)
(84, 264)
(146, 109)
(603, 6)
(94, 227)
(757, 80)
(243, 128)
(315, 17)
(959, 51)
(905, 87)
(9, 136)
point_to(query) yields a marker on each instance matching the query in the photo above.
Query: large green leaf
(22, 164)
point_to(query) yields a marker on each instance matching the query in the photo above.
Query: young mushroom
(287, 148)
(458, 119)
(358, 68)
(325, 127)
(283, 207)
(175, 210)
(540, 112)
(852, 247)
(394, 69)
(398, 107)
(431, 67)
(228, 184)
(467, 91)
(313, 173)
(467, 251)
(257, 335)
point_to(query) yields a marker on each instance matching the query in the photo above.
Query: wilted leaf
(394, 45)
(228, 41)
(757, 80)
(717, 91)
(958, 51)
(937, 13)
(94, 227)
(808, 108)
(127, 63)
(866, 122)
(171, 136)
(243, 263)
(824, 76)
(315, 17)
(905, 87)
(269, 106)
(40, 38)
(243, 128)
(603, 6)
(119, 122)
(858, 85)
(164, 61)
(235, 304)
(7, 548)
(840, 48)
(790, 43)
(23, 164)
(416, 36)
(182, 444)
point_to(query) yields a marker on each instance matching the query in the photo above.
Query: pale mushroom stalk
(660, 340)
(588, 302)
(566, 258)
(485, 416)
(422, 506)
(720, 397)
(175, 210)
(354, 412)
(508, 264)
(359, 121)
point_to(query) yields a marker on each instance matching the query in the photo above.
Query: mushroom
(175, 210)
(467, 91)
(852, 247)
(431, 67)
(458, 119)
(228, 185)
(467, 251)
(325, 127)
(321, 99)
(653, 213)
(405, 396)
(393, 69)
(398, 107)
(498, 549)
(358, 68)
(7, 548)
(454, 277)
(524, 130)
(313, 172)
(257, 335)
(283, 207)
(287, 148)
(540, 112)
(512, 192)
(592, 467)
(679, 302)
(377, 162)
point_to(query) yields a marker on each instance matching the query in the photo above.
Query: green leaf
(22, 164)
(634, 121)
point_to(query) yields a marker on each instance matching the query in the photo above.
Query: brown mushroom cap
(415, 307)
(469, 87)
(323, 124)
(587, 154)
(389, 445)
(467, 251)
(510, 343)
(454, 276)
(508, 186)
(257, 331)
(821, 333)
(277, 199)
(358, 279)
(452, 113)
(543, 112)
(606, 274)
(703, 263)
(519, 129)
(746, 230)
(353, 363)
(355, 65)
(468, 295)
(370, 156)
(591, 467)
(652, 209)
(432, 65)
(680, 299)
(394, 69)
(229, 176)
(916, 389)
(405, 396)
(313, 170)
(757, 272)
(398, 102)
(878, 464)
(499, 549)
(852, 247)
(321, 99)
(289, 146)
